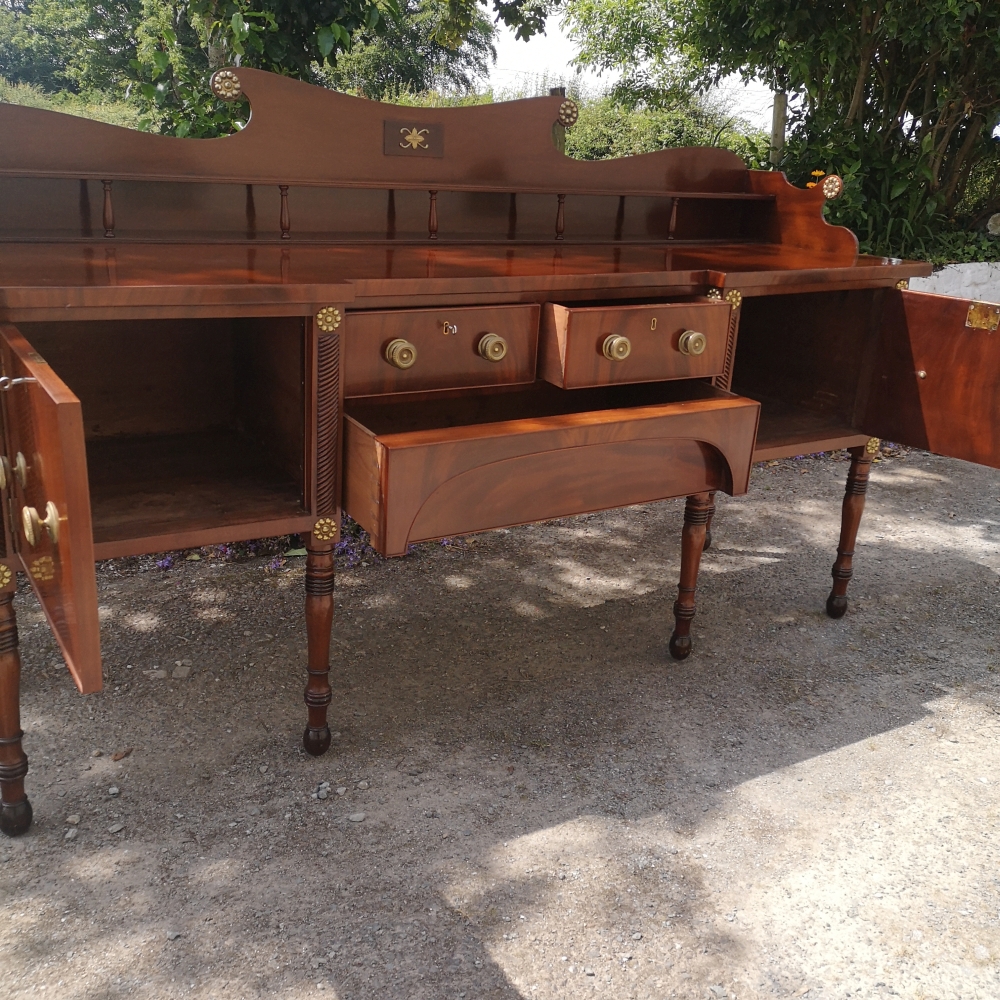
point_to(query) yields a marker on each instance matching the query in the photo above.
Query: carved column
(15, 809)
(854, 506)
(698, 512)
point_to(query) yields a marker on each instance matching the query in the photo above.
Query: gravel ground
(551, 807)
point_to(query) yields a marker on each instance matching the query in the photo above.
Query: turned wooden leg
(708, 523)
(854, 505)
(15, 809)
(697, 513)
(319, 622)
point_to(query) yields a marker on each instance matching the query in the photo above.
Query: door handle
(33, 524)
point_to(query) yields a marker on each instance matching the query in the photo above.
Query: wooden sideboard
(433, 320)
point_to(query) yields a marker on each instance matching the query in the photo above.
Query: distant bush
(98, 107)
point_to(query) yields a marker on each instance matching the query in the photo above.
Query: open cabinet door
(936, 377)
(48, 475)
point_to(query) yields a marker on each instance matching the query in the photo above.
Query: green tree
(408, 57)
(900, 97)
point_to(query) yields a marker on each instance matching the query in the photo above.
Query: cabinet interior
(189, 425)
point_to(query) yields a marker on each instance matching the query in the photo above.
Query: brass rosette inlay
(714, 294)
(328, 319)
(568, 113)
(734, 298)
(43, 568)
(6, 575)
(226, 84)
(831, 186)
(873, 446)
(325, 529)
(903, 284)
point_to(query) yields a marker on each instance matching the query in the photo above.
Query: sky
(545, 60)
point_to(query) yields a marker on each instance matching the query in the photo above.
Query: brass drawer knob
(493, 347)
(616, 347)
(33, 524)
(400, 354)
(692, 342)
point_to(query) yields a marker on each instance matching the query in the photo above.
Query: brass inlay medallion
(734, 298)
(903, 284)
(6, 575)
(226, 84)
(568, 113)
(983, 316)
(325, 529)
(43, 568)
(873, 446)
(414, 138)
(328, 319)
(714, 294)
(831, 186)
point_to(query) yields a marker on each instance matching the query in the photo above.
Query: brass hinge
(983, 316)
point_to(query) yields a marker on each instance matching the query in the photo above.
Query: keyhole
(652, 323)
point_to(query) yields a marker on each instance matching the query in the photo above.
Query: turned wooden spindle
(319, 623)
(708, 523)
(251, 213)
(286, 226)
(15, 809)
(432, 217)
(390, 216)
(853, 508)
(561, 217)
(109, 212)
(697, 513)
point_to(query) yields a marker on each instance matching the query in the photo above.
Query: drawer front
(447, 346)
(572, 348)
(418, 485)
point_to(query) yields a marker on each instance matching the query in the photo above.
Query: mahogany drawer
(573, 352)
(421, 470)
(447, 344)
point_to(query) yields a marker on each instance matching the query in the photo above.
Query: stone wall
(966, 281)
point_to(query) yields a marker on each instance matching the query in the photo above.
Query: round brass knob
(33, 524)
(616, 347)
(493, 347)
(400, 354)
(692, 342)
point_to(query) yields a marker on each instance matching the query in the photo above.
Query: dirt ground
(551, 807)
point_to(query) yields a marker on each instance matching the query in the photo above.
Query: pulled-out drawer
(459, 464)
(608, 345)
(412, 350)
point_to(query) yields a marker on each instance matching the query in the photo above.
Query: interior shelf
(786, 430)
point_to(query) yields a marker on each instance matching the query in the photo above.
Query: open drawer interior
(194, 429)
(453, 464)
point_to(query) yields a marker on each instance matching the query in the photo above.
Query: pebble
(341, 790)
(322, 793)
(97, 753)
(362, 784)
(71, 833)
(156, 675)
(262, 768)
(181, 673)
(589, 972)
(173, 935)
(73, 820)
(356, 817)
(637, 936)
(116, 828)
(113, 791)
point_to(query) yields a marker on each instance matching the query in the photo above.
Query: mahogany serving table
(433, 320)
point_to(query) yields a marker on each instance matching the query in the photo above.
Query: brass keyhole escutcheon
(449, 329)
(616, 347)
(33, 524)
(652, 323)
(692, 343)
(400, 354)
(492, 347)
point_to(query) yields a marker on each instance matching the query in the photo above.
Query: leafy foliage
(406, 56)
(900, 97)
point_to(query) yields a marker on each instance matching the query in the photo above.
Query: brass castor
(15, 818)
(316, 741)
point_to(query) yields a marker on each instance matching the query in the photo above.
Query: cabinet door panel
(44, 424)
(936, 379)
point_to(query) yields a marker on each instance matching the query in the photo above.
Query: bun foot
(316, 741)
(836, 605)
(15, 818)
(680, 646)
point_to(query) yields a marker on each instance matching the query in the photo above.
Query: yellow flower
(818, 173)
